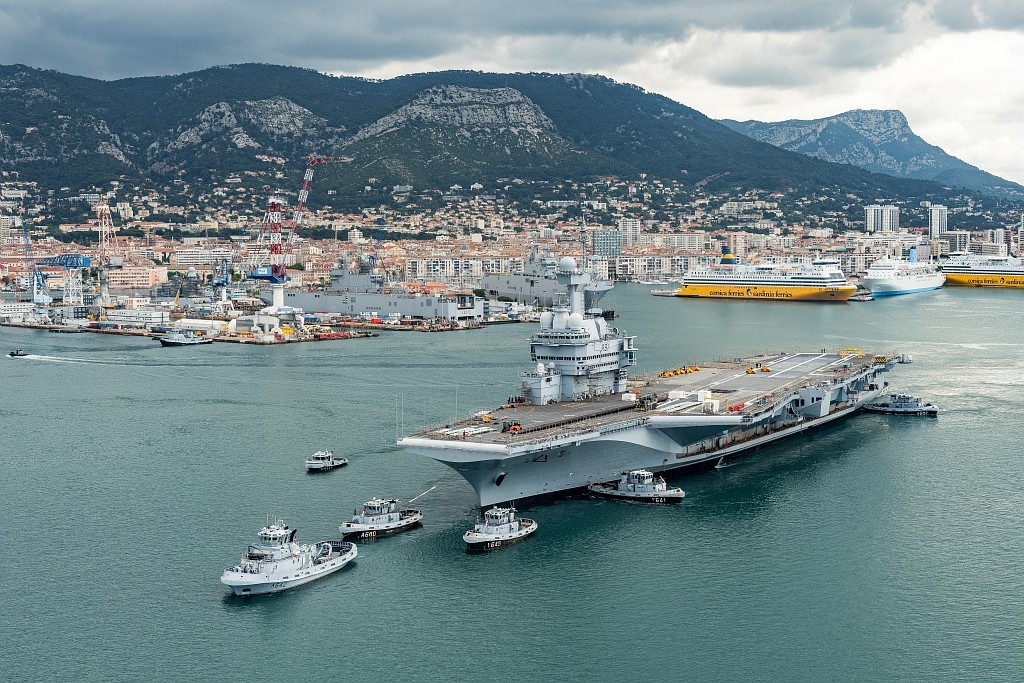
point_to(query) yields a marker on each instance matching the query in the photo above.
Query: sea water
(881, 547)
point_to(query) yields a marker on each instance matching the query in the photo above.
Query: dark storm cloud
(117, 38)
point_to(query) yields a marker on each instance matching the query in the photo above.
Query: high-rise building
(936, 221)
(958, 240)
(884, 218)
(630, 229)
(607, 243)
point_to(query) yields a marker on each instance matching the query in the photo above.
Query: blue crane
(37, 281)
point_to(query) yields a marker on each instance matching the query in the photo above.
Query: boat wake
(80, 361)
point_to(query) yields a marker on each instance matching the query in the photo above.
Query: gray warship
(579, 418)
(359, 288)
(537, 285)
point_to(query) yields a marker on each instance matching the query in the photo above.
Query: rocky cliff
(876, 140)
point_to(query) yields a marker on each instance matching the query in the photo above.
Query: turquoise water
(879, 548)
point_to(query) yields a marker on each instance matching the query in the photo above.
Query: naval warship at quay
(580, 419)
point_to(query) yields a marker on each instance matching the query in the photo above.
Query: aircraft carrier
(579, 418)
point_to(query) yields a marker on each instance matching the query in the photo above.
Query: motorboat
(322, 461)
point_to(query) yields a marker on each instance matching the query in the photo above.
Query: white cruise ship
(889, 277)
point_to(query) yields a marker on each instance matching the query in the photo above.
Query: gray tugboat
(379, 517)
(640, 486)
(276, 562)
(902, 404)
(499, 528)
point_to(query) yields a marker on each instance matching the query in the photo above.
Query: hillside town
(178, 239)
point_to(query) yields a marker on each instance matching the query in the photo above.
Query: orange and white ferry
(820, 280)
(974, 270)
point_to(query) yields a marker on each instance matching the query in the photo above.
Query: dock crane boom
(37, 282)
(312, 161)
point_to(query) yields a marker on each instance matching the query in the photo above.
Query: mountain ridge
(428, 129)
(877, 140)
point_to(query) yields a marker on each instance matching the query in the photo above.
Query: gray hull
(538, 290)
(573, 462)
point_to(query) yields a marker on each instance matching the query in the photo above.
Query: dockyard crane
(37, 282)
(72, 265)
(109, 254)
(312, 161)
(270, 267)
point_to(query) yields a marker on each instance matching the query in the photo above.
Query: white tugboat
(641, 486)
(322, 461)
(379, 517)
(276, 562)
(500, 527)
(902, 404)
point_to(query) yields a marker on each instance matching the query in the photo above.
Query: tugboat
(640, 486)
(17, 353)
(902, 404)
(323, 461)
(183, 338)
(276, 562)
(500, 528)
(379, 517)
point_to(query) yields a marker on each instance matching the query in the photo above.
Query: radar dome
(576, 321)
(567, 263)
(192, 272)
(545, 320)
(540, 368)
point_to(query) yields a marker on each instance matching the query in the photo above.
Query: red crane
(312, 162)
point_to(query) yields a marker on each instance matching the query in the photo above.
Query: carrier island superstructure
(579, 418)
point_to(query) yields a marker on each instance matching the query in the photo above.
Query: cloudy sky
(954, 67)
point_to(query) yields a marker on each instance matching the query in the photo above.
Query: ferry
(984, 271)
(890, 277)
(276, 562)
(820, 280)
(500, 528)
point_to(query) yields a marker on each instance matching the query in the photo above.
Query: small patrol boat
(184, 338)
(500, 527)
(17, 353)
(640, 486)
(379, 517)
(902, 404)
(276, 562)
(323, 461)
